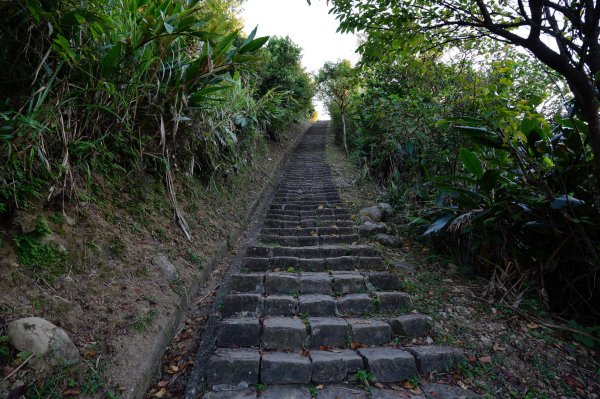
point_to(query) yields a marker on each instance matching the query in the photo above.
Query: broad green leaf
(471, 162)
(111, 60)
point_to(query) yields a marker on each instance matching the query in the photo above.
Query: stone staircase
(309, 306)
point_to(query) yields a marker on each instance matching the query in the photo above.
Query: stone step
(294, 333)
(378, 303)
(276, 223)
(305, 205)
(309, 231)
(248, 367)
(299, 241)
(291, 283)
(312, 252)
(291, 263)
(312, 213)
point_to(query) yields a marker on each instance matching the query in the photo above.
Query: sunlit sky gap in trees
(311, 27)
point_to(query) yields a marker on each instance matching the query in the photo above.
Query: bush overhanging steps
(310, 307)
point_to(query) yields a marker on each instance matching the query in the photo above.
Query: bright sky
(311, 27)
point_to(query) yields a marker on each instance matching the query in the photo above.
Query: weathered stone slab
(311, 265)
(233, 366)
(283, 333)
(438, 358)
(240, 304)
(282, 283)
(383, 281)
(315, 283)
(377, 393)
(340, 263)
(334, 366)
(245, 394)
(279, 305)
(327, 331)
(284, 263)
(388, 240)
(388, 364)
(370, 331)
(246, 282)
(285, 368)
(348, 283)
(316, 305)
(242, 332)
(355, 305)
(285, 392)
(255, 264)
(391, 302)
(370, 263)
(412, 325)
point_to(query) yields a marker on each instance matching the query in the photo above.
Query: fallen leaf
(71, 392)
(91, 354)
(574, 382)
(533, 325)
(485, 359)
(497, 347)
(471, 359)
(462, 384)
(395, 387)
(163, 383)
(408, 385)
(314, 233)
(160, 394)
(378, 385)
(416, 391)
(320, 386)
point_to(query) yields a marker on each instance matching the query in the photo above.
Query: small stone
(438, 358)
(412, 325)
(389, 365)
(327, 331)
(355, 305)
(283, 333)
(233, 366)
(403, 267)
(388, 240)
(285, 368)
(372, 213)
(370, 331)
(51, 344)
(316, 305)
(334, 366)
(238, 332)
(166, 267)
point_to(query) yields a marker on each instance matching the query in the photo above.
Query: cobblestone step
(295, 333)
(314, 282)
(378, 303)
(310, 306)
(247, 367)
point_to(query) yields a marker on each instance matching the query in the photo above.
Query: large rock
(388, 240)
(369, 228)
(372, 214)
(166, 267)
(51, 344)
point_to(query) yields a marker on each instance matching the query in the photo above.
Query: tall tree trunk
(344, 142)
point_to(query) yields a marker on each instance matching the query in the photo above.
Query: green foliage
(102, 88)
(280, 69)
(42, 258)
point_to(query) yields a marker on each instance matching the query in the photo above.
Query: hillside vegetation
(480, 120)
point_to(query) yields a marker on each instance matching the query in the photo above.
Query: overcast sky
(311, 27)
